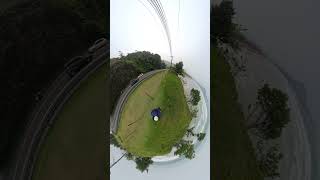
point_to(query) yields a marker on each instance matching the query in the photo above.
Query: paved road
(115, 117)
(44, 114)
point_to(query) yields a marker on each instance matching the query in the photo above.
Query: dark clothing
(156, 112)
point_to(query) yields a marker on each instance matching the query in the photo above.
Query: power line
(117, 160)
(160, 11)
(169, 36)
(165, 19)
(147, 9)
(155, 19)
(157, 6)
(161, 16)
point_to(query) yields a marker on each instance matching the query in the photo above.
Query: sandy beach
(294, 144)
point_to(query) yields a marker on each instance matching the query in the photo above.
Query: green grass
(138, 133)
(233, 154)
(75, 148)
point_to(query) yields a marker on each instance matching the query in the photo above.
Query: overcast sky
(135, 26)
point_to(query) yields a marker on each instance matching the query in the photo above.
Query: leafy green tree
(114, 141)
(274, 112)
(195, 96)
(145, 61)
(129, 156)
(185, 148)
(190, 132)
(201, 136)
(179, 68)
(143, 163)
(121, 73)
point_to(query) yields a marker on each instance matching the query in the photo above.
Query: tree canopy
(269, 162)
(114, 141)
(195, 96)
(121, 73)
(185, 148)
(179, 68)
(143, 163)
(145, 61)
(201, 136)
(274, 114)
(223, 27)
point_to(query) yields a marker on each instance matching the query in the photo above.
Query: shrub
(195, 96)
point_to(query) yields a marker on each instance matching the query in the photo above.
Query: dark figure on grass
(155, 113)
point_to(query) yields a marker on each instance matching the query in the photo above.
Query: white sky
(135, 27)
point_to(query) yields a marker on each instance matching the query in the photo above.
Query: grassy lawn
(138, 133)
(75, 148)
(233, 155)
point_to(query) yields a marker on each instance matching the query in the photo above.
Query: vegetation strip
(233, 156)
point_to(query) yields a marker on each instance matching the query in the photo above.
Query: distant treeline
(36, 38)
(126, 68)
(224, 30)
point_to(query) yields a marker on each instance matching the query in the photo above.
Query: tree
(121, 73)
(143, 163)
(179, 68)
(145, 61)
(274, 112)
(163, 65)
(269, 162)
(185, 148)
(201, 136)
(190, 132)
(195, 96)
(114, 141)
(129, 156)
(222, 16)
(225, 31)
(121, 54)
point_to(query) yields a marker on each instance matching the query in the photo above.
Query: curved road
(44, 114)
(115, 117)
